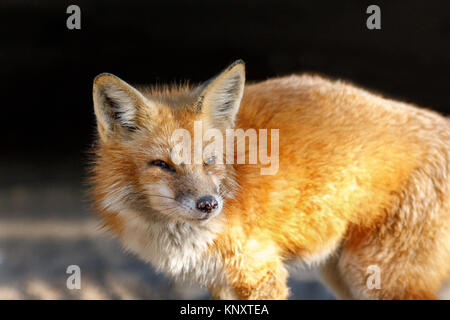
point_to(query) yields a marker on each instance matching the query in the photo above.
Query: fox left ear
(220, 97)
(116, 106)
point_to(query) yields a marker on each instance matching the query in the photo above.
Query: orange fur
(362, 180)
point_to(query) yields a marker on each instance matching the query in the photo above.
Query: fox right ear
(115, 104)
(221, 96)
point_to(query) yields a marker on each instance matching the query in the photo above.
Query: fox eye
(163, 165)
(209, 161)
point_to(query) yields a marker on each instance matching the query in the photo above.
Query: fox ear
(115, 105)
(220, 97)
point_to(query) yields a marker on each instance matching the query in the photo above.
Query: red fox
(362, 182)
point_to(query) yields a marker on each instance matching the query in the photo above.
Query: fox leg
(254, 278)
(396, 281)
(222, 292)
(377, 265)
(265, 283)
(410, 263)
(350, 279)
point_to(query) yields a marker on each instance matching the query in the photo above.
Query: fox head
(135, 166)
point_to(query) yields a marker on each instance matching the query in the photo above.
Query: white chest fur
(177, 249)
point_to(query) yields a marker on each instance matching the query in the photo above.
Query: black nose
(207, 204)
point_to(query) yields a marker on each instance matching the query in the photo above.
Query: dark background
(47, 122)
(47, 70)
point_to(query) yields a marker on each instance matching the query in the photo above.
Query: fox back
(356, 182)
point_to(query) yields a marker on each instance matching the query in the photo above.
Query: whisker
(160, 196)
(167, 206)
